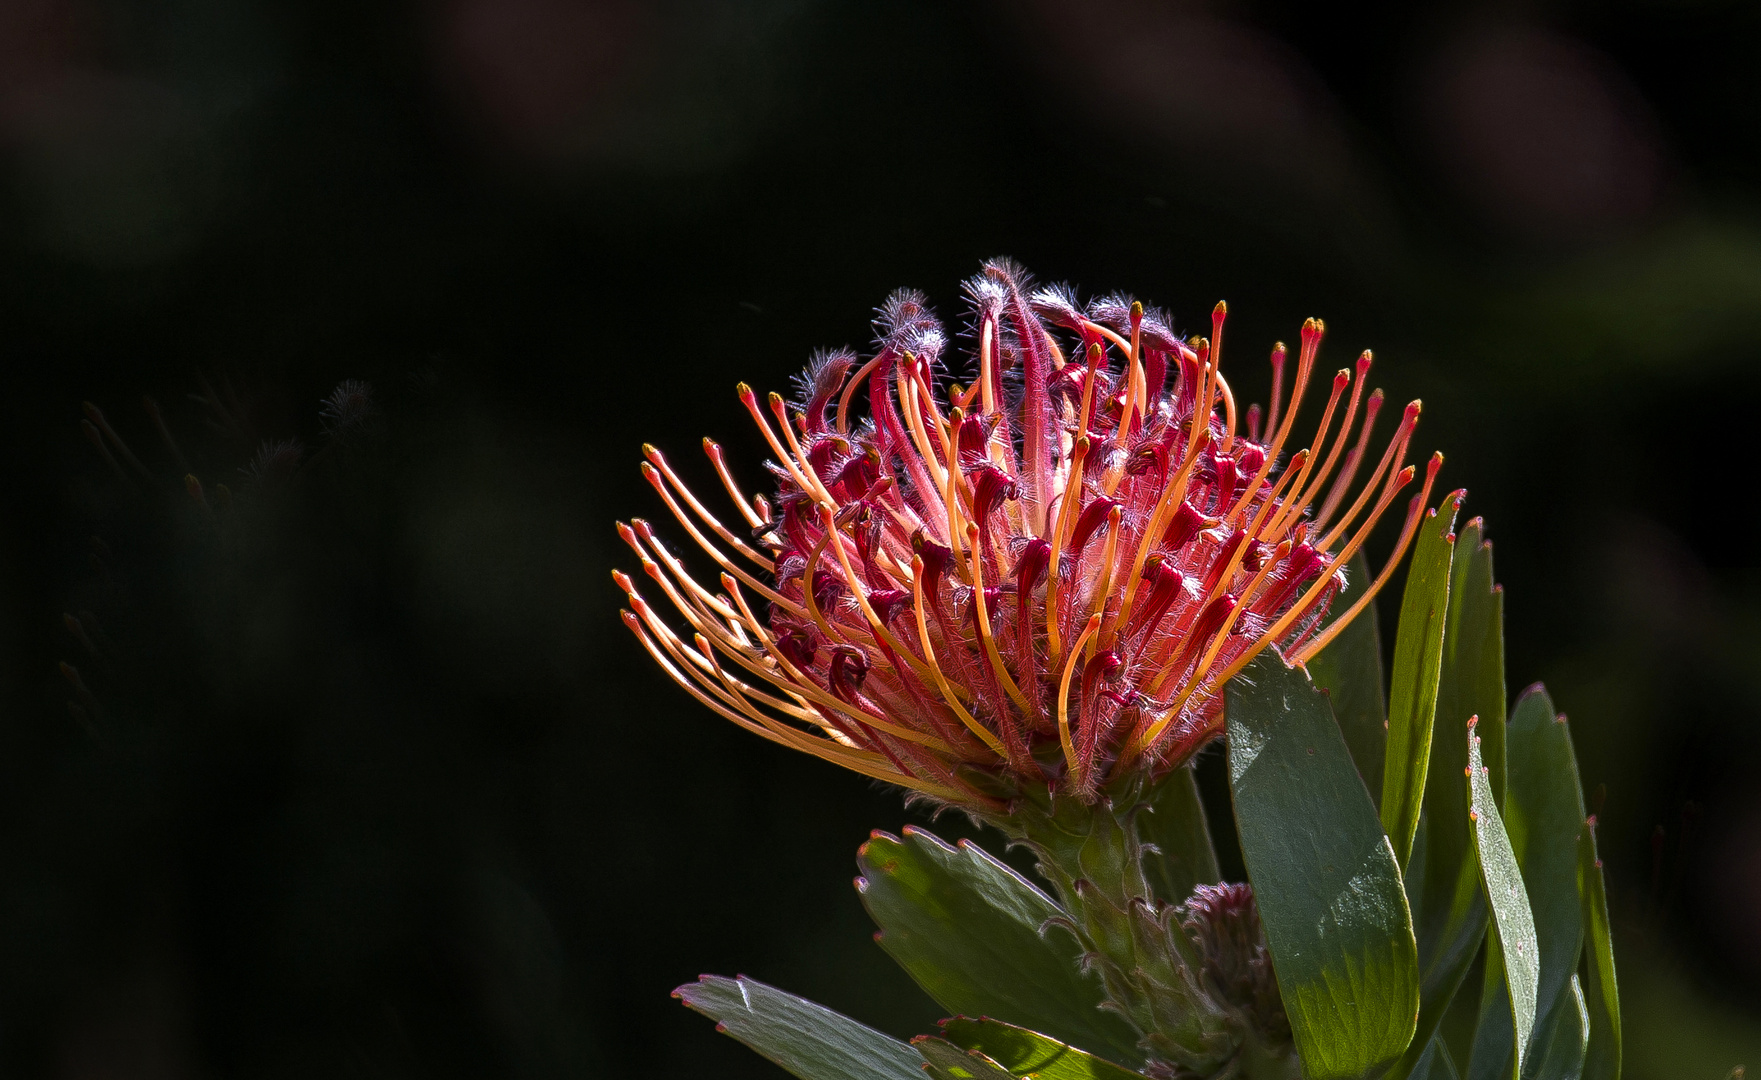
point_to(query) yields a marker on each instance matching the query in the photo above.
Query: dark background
(357, 774)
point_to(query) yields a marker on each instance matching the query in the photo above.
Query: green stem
(1152, 969)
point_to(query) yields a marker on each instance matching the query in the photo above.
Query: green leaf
(1490, 1057)
(810, 1041)
(1174, 821)
(1601, 995)
(1434, 1063)
(945, 1061)
(1471, 682)
(1418, 662)
(1513, 924)
(1350, 670)
(975, 936)
(1555, 1053)
(1562, 1038)
(1323, 874)
(1544, 813)
(1451, 909)
(1028, 1053)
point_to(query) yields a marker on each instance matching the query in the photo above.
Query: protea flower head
(1043, 577)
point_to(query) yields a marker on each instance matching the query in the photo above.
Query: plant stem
(1153, 970)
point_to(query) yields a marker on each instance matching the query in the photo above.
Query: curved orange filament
(1069, 745)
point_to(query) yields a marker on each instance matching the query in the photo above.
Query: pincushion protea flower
(1047, 575)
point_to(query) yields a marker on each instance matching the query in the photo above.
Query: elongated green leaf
(1324, 876)
(1028, 1053)
(809, 1040)
(1491, 1057)
(1418, 662)
(1544, 813)
(1350, 670)
(1555, 1053)
(1513, 922)
(975, 936)
(1174, 821)
(1456, 1029)
(1413, 877)
(1562, 1038)
(1451, 910)
(1472, 679)
(1434, 1062)
(1601, 995)
(945, 1061)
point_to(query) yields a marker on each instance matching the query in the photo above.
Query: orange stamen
(750, 400)
(1312, 330)
(1229, 419)
(1217, 640)
(1094, 623)
(1279, 352)
(1302, 607)
(1408, 530)
(780, 409)
(876, 627)
(861, 376)
(914, 424)
(941, 680)
(927, 400)
(658, 460)
(984, 627)
(1296, 612)
(1105, 585)
(1218, 314)
(1066, 521)
(1296, 505)
(868, 764)
(714, 450)
(1137, 390)
(1172, 496)
(951, 491)
(1086, 414)
(1395, 454)
(1353, 462)
(1344, 436)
